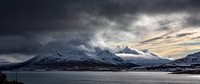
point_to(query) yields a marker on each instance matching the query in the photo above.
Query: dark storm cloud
(33, 20)
(36, 16)
(28, 17)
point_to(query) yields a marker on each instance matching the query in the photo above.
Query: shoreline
(187, 72)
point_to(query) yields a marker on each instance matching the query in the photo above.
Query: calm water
(71, 77)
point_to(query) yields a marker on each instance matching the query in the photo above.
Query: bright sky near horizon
(169, 37)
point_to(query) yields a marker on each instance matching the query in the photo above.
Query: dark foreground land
(3, 80)
(187, 72)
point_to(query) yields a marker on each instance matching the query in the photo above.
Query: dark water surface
(87, 77)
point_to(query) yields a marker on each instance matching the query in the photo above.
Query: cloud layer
(30, 27)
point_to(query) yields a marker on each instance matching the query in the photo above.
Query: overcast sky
(170, 28)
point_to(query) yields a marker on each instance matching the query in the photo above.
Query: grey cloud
(152, 39)
(165, 36)
(193, 20)
(18, 45)
(162, 29)
(183, 34)
(164, 22)
(195, 38)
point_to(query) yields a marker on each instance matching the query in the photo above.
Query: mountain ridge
(140, 57)
(190, 62)
(96, 58)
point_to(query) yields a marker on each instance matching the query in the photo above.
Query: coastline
(187, 72)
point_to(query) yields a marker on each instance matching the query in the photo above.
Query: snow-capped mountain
(140, 57)
(73, 58)
(99, 57)
(188, 60)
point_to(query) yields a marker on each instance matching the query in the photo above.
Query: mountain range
(190, 62)
(124, 57)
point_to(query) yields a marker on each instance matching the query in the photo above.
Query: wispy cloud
(184, 34)
(152, 39)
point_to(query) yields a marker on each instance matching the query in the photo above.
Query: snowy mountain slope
(190, 62)
(187, 61)
(140, 57)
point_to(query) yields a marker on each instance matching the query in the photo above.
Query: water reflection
(66, 77)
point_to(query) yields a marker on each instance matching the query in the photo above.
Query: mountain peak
(141, 57)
